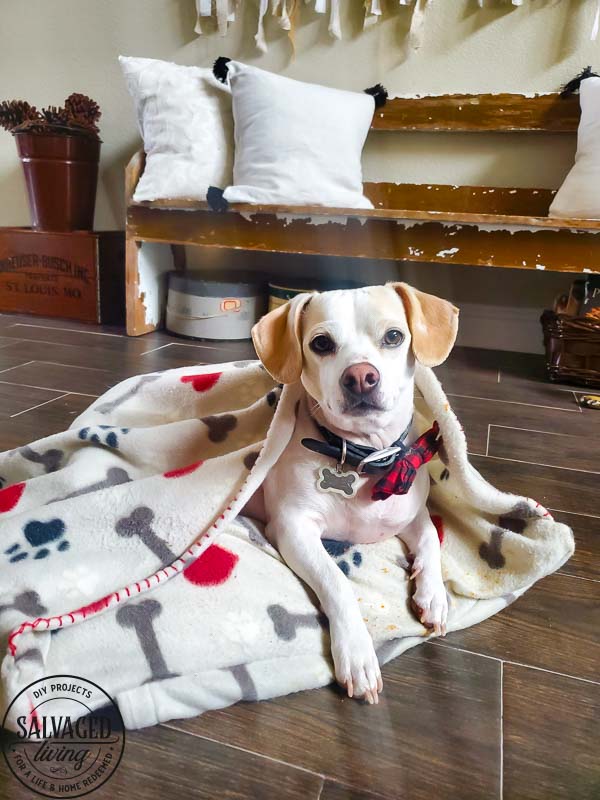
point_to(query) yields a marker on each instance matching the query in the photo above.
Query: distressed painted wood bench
(472, 225)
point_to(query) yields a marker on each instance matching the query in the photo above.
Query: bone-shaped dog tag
(337, 481)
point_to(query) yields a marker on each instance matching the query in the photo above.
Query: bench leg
(135, 309)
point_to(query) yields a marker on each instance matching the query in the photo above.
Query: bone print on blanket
(110, 540)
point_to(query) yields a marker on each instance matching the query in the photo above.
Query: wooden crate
(78, 276)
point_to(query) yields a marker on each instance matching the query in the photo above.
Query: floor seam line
(537, 464)
(512, 402)
(514, 663)
(245, 750)
(577, 577)
(39, 405)
(46, 389)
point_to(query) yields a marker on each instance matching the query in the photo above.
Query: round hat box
(280, 293)
(200, 306)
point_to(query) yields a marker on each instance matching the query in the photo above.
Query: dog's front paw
(430, 602)
(355, 661)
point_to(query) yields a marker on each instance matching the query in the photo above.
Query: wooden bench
(472, 225)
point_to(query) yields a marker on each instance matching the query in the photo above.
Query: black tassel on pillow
(573, 86)
(220, 68)
(379, 93)
(215, 200)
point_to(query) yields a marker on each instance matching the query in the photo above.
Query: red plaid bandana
(401, 476)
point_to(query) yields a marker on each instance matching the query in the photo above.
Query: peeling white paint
(471, 99)
(540, 266)
(414, 251)
(451, 252)
(319, 220)
(154, 261)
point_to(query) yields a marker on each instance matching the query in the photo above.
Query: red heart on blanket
(439, 526)
(10, 496)
(213, 567)
(179, 473)
(202, 383)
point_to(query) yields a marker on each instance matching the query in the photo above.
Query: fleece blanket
(124, 558)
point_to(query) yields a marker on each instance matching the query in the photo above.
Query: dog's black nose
(360, 379)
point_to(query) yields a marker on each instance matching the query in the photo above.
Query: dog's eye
(393, 337)
(322, 344)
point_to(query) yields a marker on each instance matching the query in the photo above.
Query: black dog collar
(367, 459)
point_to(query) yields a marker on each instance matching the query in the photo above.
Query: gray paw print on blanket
(103, 435)
(39, 536)
(340, 552)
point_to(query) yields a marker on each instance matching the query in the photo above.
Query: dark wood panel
(141, 216)
(476, 414)
(338, 791)
(562, 489)
(9, 359)
(411, 236)
(10, 319)
(486, 374)
(460, 199)
(159, 763)
(178, 355)
(73, 354)
(62, 377)
(91, 339)
(44, 421)
(551, 736)
(480, 113)
(16, 399)
(552, 626)
(585, 563)
(553, 449)
(430, 694)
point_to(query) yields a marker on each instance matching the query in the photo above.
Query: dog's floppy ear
(277, 338)
(433, 324)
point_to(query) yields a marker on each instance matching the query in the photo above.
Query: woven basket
(572, 348)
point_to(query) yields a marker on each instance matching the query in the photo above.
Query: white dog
(354, 352)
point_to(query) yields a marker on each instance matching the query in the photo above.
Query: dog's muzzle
(360, 384)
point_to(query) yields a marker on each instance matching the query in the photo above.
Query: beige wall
(49, 49)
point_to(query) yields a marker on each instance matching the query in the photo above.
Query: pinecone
(81, 107)
(31, 126)
(55, 116)
(16, 112)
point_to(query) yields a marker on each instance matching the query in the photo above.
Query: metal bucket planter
(61, 173)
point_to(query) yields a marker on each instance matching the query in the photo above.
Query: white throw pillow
(184, 117)
(296, 143)
(579, 196)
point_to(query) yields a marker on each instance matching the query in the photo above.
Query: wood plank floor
(508, 709)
